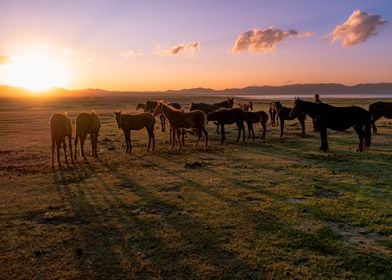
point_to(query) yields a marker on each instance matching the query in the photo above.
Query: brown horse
(273, 111)
(87, 124)
(229, 116)
(378, 110)
(284, 114)
(128, 122)
(60, 127)
(256, 117)
(336, 118)
(178, 120)
(150, 106)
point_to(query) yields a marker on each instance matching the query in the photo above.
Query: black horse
(336, 118)
(256, 117)
(378, 110)
(228, 116)
(284, 114)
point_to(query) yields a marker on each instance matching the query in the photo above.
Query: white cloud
(264, 41)
(130, 53)
(357, 28)
(186, 49)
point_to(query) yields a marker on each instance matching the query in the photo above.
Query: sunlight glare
(36, 72)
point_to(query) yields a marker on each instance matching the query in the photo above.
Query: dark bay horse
(150, 106)
(256, 117)
(87, 123)
(336, 118)
(273, 111)
(378, 110)
(208, 108)
(228, 116)
(128, 122)
(284, 114)
(179, 120)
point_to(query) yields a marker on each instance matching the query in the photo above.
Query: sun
(36, 72)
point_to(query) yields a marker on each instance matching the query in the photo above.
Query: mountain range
(294, 89)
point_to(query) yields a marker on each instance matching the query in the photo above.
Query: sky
(174, 44)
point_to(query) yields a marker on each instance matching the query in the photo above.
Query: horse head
(159, 108)
(117, 115)
(297, 108)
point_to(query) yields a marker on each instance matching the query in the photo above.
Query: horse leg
(368, 135)
(58, 145)
(324, 139)
(76, 145)
(65, 151)
(217, 128)
(263, 124)
(374, 119)
(70, 148)
(302, 121)
(173, 136)
(198, 138)
(53, 147)
(127, 139)
(82, 140)
(243, 131)
(205, 132)
(223, 137)
(281, 126)
(130, 143)
(149, 139)
(178, 134)
(361, 135)
(96, 144)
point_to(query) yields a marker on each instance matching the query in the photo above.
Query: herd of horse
(196, 119)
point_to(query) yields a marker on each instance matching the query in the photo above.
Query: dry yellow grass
(262, 209)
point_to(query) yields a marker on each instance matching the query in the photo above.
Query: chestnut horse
(128, 122)
(336, 118)
(60, 127)
(378, 110)
(178, 120)
(150, 106)
(273, 111)
(87, 124)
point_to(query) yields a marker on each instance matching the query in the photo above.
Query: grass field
(263, 209)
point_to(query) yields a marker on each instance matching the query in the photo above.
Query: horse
(256, 117)
(274, 108)
(336, 118)
(150, 106)
(228, 116)
(60, 127)
(378, 110)
(87, 124)
(284, 114)
(179, 120)
(208, 108)
(128, 122)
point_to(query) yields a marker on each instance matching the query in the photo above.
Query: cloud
(130, 53)
(4, 59)
(357, 28)
(186, 49)
(264, 41)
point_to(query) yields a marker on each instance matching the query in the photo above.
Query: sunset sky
(174, 44)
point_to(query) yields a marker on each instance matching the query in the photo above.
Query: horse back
(88, 123)
(342, 118)
(381, 108)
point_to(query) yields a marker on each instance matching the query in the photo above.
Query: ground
(264, 209)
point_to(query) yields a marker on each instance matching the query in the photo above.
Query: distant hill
(294, 89)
